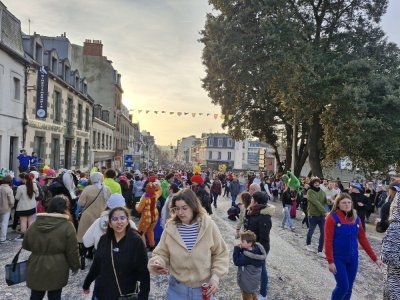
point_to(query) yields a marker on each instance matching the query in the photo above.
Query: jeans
(345, 277)
(215, 197)
(233, 199)
(51, 295)
(313, 222)
(264, 280)
(286, 216)
(4, 218)
(179, 291)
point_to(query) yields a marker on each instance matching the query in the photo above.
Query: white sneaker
(19, 239)
(321, 254)
(308, 248)
(259, 297)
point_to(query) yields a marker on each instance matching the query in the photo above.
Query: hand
(380, 264)
(332, 268)
(86, 292)
(212, 288)
(360, 204)
(159, 269)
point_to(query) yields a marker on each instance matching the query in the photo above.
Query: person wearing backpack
(202, 192)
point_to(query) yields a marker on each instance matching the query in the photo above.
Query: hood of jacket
(46, 222)
(104, 220)
(269, 210)
(257, 253)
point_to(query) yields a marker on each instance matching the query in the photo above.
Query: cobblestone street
(294, 273)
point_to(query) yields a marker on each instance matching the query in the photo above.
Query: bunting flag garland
(193, 114)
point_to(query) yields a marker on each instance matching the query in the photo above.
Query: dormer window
(38, 53)
(77, 82)
(54, 64)
(84, 88)
(66, 73)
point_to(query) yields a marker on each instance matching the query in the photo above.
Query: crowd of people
(117, 219)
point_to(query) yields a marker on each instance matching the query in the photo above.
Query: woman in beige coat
(93, 202)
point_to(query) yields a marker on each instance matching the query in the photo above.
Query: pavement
(294, 273)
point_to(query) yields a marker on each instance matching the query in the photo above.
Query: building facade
(217, 149)
(12, 92)
(58, 108)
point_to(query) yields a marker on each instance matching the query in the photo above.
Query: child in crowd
(249, 257)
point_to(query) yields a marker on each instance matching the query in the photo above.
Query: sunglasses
(121, 218)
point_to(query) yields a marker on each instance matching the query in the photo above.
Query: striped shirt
(189, 234)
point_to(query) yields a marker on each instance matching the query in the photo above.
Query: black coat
(130, 260)
(361, 210)
(259, 222)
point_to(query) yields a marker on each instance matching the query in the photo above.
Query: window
(57, 107)
(38, 53)
(211, 142)
(219, 142)
(80, 116)
(243, 158)
(229, 155)
(86, 153)
(17, 88)
(102, 141)
(229, 142)
(78, 153)
(107, 141)
(54, 63)
(94, 139)
(55, 153)
(210, 155)
(110, 142)
(98, 140)
(87, 119)
(38, 146)
(219, 155)
(66, 74)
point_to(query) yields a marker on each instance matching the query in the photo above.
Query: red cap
(197, 179)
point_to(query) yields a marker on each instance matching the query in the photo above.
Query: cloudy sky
(154, 45)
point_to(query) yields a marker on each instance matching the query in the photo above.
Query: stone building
(59, 110)
(216, 149)
(12, 82)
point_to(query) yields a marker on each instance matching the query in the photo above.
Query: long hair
(29, 184)
(335, 207)
(191, 200)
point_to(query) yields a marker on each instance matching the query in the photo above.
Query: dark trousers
(51, 295)
(314, 222)
(215, 197)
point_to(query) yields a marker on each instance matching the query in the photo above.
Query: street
(294, 273)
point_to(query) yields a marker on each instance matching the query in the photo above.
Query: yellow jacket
(209, 258)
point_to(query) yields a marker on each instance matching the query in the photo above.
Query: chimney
(93, 48)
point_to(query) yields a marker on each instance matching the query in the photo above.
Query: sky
(154, 45)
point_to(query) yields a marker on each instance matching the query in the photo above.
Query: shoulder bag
(132, 296)
(16, 271)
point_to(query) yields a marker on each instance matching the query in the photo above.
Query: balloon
(293, 182)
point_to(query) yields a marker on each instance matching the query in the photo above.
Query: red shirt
(330, 225)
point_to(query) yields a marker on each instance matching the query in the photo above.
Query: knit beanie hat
(358, 187)
(197, 179)
(116, 200)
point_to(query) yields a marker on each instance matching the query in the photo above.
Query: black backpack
(233, 213)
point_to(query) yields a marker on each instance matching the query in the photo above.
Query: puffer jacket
(249, 267)
(258, 220)
(52, 241)
(98, 229)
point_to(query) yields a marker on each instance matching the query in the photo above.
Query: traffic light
(261, 157)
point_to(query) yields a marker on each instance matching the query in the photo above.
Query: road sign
(128, 160)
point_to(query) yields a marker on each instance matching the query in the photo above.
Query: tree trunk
(289, 137)
(314, 146)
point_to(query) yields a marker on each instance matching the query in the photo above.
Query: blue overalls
(345, 255)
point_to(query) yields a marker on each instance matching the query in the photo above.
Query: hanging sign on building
(41, 96)
(128, 160)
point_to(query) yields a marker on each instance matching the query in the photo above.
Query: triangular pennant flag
(215, 116)
(193, 115)
(163, 112)
(200, 114)
(171, 112)
(185, 114)
(208, 115)
(132, 110)
(179, 113)
(147, 111)
(156, 111)
(222, 117)
(139, 111)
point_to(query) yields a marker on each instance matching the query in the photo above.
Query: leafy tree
(324, 65)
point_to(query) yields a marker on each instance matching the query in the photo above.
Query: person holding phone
(343, 232)
(191, 250)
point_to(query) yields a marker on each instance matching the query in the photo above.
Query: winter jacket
(24, 202)
(130, 262)
(6, 198)
(98, 229)
(113, 186)
(216, 187)
(360, 198)
(287, 198)
(52, 241)
(92, 207)
(209, 258)
(138, 188)
(258, 220)
(249, 267)
(234, 187)
(316, 203)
